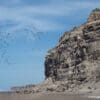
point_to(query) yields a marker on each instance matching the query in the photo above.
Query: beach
(51, 96)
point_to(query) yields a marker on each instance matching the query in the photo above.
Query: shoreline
(45, 96)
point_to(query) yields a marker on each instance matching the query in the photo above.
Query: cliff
(75, 62)
(76, 59)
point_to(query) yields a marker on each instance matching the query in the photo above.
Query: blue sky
(28, 29)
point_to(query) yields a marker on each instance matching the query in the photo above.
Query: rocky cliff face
(76, 58)
(74, 63)
(95, 15)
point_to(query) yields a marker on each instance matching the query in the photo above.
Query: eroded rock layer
(76, 58)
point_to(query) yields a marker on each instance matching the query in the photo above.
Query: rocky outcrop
(75, 62)
(95, 15)
(76, 58)
(23, 89)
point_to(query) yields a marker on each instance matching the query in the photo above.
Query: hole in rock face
(65, 66)
(90, 28)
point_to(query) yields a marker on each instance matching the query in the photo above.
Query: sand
(56, 96)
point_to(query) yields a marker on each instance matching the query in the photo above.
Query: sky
(28, 29)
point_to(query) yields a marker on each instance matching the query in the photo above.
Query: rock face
(76, 58)
(95, 15)
(75, 62)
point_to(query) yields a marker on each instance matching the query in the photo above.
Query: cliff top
(95, 15)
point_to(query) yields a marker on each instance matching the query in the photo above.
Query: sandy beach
(14, 96)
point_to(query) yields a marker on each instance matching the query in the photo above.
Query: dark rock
(77, 52)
